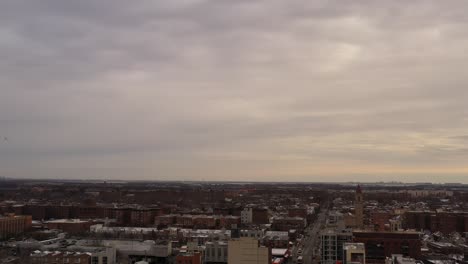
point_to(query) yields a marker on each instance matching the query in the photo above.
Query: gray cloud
(250, 90)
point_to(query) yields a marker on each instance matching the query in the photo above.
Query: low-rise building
(400, 259)
(276, 239)
(354, 253)
(229, 221)
(189, 258)
(71, 226)
(103, 255)
(297, 211)
(165, 220)
(204, 221)
(256, 233)
(216, 252)
(46, 257)
(288, 223)
(380, 220)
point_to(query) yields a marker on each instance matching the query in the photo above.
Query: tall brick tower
(359, 208)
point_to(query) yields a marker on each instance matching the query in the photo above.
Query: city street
(311, 252)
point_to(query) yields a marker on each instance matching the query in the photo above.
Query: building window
(405, 249)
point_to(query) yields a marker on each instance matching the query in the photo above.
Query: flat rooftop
(354, 246)
(68, 221)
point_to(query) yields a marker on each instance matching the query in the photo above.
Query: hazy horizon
(202, 181)
(247, 90)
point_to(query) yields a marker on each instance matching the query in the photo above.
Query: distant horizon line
(5, 178)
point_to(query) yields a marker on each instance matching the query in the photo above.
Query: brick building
(445, 222)
(39, 257)
(359, 207)
(381, 220)
(228, 210)
(288, 223)
(229, 221)
(165, 220)
(297, 211)
(203, 221)
(11, 225)
(38, 212)
(189, 258)
(71, 226)
(260, 216)
(143, 217)
(184, 220)
(58, 211)
(87, 212)
(380, 245)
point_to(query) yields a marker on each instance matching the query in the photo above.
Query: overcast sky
(265, 90)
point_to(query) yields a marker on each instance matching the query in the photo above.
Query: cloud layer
(264, 90)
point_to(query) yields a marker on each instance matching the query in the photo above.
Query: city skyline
(304, 91)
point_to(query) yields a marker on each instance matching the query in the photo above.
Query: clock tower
(359, 208)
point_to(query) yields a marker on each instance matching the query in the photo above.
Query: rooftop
(71, 221)
(354, 246)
